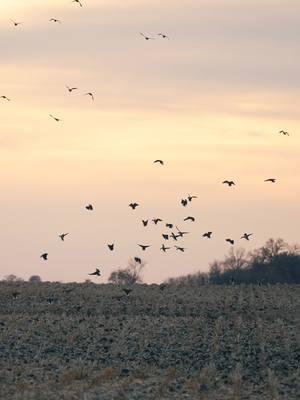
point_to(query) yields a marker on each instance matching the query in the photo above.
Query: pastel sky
(209, 102)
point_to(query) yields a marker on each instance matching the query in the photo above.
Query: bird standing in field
(44, 256)
(207, 235)
(133, 205)
(4, 98)
(89, 207)
(111, 246)
(285, 133)
(229, 183)
(70, 89)
(96, 273)
(146, 37)
(90, 94)
(127, 291)
(158, 162)
(246, 236)
(273, 180)
(62, 236)
(144, 247)
(55, 118)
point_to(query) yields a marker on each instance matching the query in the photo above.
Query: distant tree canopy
(128, 276)
(275, 262)
(12, 278)
(35, 279)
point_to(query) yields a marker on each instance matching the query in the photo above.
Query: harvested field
(88, 342)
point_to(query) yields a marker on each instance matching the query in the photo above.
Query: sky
(209, 102)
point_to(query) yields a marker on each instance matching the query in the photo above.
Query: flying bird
(180, 248)
(163, 36)
(63, 235)
(138, 260)
(169, 226)
(55, 20)
(166, 237)
(285, 133)
(231, 241)
(158, 162)
(44, 256)
(55, 118)
(229, 183)
(77, 1)
(246, 236)
(16, 23)
(111, 246)
(184, 202)
(273, 180)
(145, 222)
(97, 272)
(70, 89)
(181, 233)
(90, 94)
(156, 220)
(133, 205)
(5, 98)
(164, 248)
(190, 198)
(147, 37)
(143, 246)
(89, 207)
(192, 219)
(207, 234)
(173, 236)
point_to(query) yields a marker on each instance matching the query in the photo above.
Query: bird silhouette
(273, 180)
(190, 198)
(169, 226)
(44, 256)
(145, 222)
(163, 36)
(78, 2)
(89, 207)
(5, 98)
(246, 236)
(229, 183)
(90, 94)
(184, 202)
(173, 236)
(182, 249)
(96, 273)
(231, 241)
(138, 260)
(285, 133)
(127, 291)
(207, 234)
(55, 20)
(133, 205)
(166, 237)
(164, 248)
(63, 235)
(16, 23)
(156, 220)
(144, 247)
(192, 219)
(111, 246)
(158, 162)
(70, 89)
(181, 233)
(147, 37)
(55, 118)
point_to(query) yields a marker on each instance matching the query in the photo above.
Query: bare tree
(236, 260)
(128, 276)
(12, 278)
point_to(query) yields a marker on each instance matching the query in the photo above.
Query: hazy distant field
(95, 342)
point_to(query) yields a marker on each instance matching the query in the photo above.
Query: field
(88, 342)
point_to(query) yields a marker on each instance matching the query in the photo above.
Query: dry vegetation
(95, 342)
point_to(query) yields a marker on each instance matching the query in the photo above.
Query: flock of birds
(176, 233)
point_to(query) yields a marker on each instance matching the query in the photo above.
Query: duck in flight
(133, 205)
(90, 94)
(229, 183)
(192, 219)
(174, 237)
(147, 37)
(158, 162)
(55, 118)
(273, 180)
(246, 236)
(145, 222)
(285, 133)
(55, 20)
(207, 235)
(170, 226)
(138, 260)
(111, 246)
(70, 89)
(89, 207)
(184, 202)
(165, 236)
(44, 256)
(163, 36)
(62, 236)
(16, 23)
(190, 198)
(181, 233)
(231, 241)
(78, 2)
(164, 248)
(4, 98)
(96, 273)
(144, 247)
(156, 220)
(182, 249)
